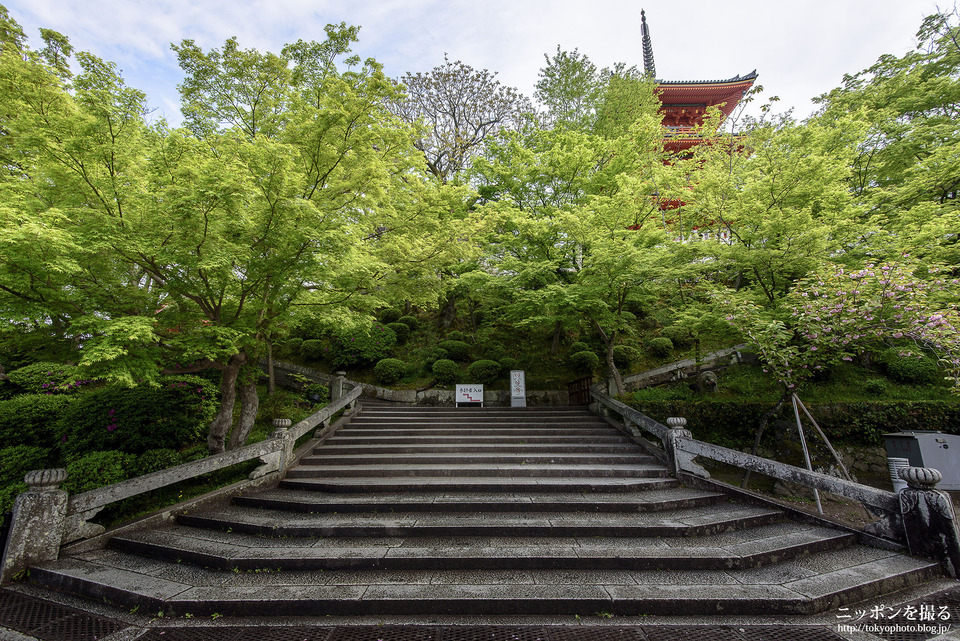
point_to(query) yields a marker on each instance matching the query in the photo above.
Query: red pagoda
(685, 102)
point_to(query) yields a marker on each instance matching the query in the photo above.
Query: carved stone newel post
(38, 523)
(929, 520)
(681, 461)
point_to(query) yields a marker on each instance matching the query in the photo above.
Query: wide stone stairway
(487, 511)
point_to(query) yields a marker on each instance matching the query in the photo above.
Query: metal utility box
(928, 449)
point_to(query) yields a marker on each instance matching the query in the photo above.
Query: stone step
(477, 484)
(325, 458)
(476, 470)
(810, 584)
(532, 502)
(699, 521)
(469, 429)
(478, 439)
(478, 448)
(732, 551)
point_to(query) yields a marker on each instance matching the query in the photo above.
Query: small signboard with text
(518, 388)
(471, 393)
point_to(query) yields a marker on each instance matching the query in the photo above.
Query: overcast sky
(800, 48)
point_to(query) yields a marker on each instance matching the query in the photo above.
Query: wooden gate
(579, 391)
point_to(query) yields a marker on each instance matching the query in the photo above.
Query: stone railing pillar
(281, 430)
(679, 460)
(929, 520)
(39, 517)
(337, 385)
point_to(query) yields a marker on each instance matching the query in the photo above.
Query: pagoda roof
(725, 94)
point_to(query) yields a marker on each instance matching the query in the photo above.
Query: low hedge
(734, 423)
(31, 419)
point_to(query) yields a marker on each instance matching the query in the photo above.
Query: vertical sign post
(518, 388)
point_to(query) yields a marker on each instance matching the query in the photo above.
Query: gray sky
(800, 49)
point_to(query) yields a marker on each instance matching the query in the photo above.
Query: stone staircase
(483, 511)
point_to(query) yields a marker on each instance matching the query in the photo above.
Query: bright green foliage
(484, 371)
(390, 370)
(570, 87)
(456, 350)
(98, 469)
(584, 362)
(446, 371)
(30, 419)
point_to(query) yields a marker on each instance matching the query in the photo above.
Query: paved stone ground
(27, 614)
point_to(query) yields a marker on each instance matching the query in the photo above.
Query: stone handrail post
(337, 386)
(39, 520)
(929, 520)
(681, 461)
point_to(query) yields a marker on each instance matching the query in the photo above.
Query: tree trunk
(223, 421)
(271, 378)
(608, 342)
(249, 404)
(448, 313)
(557, 333)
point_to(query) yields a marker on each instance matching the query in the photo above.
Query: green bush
(388, 316)
(8, 494)
(293, 344)
(494, 350)
(446, 371)
(434, 355)
(625, 356)
(578, 347)
(390, 370)
(138, 419)
(909, 367)
(402, 330)
(313, 349)
(98, 469)
(31, 419)
(156, 460)
(410, 321)
(457, 350)
(48, 378)
(875, 387)
(509, 364)
(485, 371)
(584, 362)
(20, 459)
(678, 335)
(660, 346)
(457, 336)
(356, 347)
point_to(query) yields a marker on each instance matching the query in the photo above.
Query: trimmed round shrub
(48, 378)
(909, 367)
(156, 460)
(578, 347)
(31, 419)
(678, 335)
(875, 387)
(509, 364)
(446, 371)
(410, 321)
(584, 362)
(402, 330)
(312, 349)
(388, 316)
(434, 355)
(485, 371)
(625, 356)
(390, 370)
(660, 346)
(293, 344)
(355, 347)
(138, 419)
(457, 350)
(456, 336)
(97, 469)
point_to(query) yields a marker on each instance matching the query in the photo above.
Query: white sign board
(471, 393)
(518, 388)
